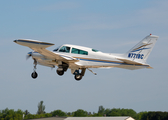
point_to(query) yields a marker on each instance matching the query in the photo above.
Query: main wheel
(34, 75)
(78, 77)
(60, 72)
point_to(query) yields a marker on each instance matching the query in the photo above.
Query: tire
(34, 75)
(78, 77)
(60, 73)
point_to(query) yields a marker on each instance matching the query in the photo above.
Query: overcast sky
(107, 25)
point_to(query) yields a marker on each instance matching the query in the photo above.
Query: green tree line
(10, 114)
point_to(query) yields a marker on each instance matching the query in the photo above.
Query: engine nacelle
(37, 55)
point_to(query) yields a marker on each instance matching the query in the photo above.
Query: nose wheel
(34, 74)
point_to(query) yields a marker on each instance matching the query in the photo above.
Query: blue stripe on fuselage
(109, 62)
(99, 61)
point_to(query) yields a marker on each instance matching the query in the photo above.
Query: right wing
(40, 47)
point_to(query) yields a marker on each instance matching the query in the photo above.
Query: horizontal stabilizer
(130, 61)
(150, 67)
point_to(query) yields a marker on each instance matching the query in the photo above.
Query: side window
(95, 50)
(77, 51)
(64, 49)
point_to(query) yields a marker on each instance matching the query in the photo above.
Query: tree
(101, 110)
(80, 113)
(47, 115)
(59, 113)
(26, 112)
(29, 116)
(155, 116)
(107, 112)
(69, 114)
(41, 108)
(19, 112)
(4, 112)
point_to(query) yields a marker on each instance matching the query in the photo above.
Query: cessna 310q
(79, 58)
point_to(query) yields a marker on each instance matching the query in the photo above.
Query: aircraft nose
(29, 53)
(15, 41)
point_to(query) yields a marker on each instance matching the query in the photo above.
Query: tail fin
(141, 51)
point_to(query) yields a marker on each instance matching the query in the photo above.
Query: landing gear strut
(34, 74)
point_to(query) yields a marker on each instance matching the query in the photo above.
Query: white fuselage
(91, 60)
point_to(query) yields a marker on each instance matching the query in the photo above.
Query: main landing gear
(78, 76)
(34, 74)
(62, 67)
(60, 72)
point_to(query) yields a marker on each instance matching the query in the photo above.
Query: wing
(40, 47)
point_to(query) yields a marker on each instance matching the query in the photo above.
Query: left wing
(40, 47)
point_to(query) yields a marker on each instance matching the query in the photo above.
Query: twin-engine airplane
(79, 58)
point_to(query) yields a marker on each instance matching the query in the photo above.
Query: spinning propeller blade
(28, 55)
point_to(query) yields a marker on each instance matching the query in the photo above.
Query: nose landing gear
(34, 74)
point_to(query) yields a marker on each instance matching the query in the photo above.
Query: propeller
(28, 55)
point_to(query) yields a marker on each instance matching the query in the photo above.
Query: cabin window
(64, 49)
(95, 50)
(78, 51)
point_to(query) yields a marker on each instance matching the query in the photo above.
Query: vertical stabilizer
(141, 51)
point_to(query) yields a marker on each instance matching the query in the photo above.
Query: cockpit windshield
(64, 49)
(57, 48)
